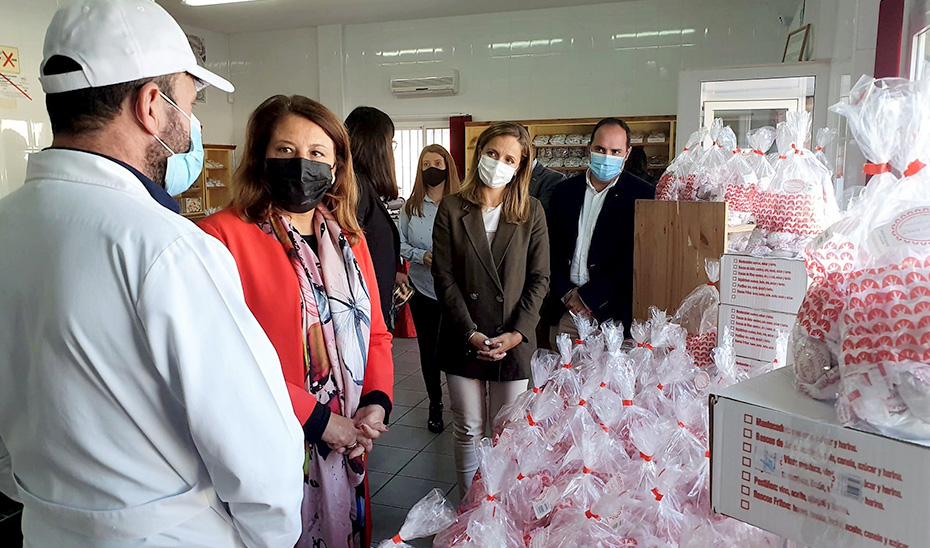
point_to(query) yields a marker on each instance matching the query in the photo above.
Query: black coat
(543, 182)
(494, 289)
(609, 292)
(383, 241)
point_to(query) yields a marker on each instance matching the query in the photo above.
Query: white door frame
(689, 90)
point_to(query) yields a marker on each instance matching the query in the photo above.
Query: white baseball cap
(117, 41)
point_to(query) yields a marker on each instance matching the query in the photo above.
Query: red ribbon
(490, 498)
(627, 403)
(529, 419)
(660, 386)
(586, 470)
(686, 149)
(707, 453)
(578, 341)
(397, 539)
(590, 515)
(780, 157)
(658, 495)
(876, 169)
(914, 167)
(568, 365)
(757, 151)
(711, 283)
(681, 424)
(820, 148)
(603, 384)
(645, 457)
(536, 390)
(582, 402)
(520, 477)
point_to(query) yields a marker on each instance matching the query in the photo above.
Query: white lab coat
(141, 404)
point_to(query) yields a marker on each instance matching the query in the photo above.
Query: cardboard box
(775, 284)
(782, 462)
(754, 331)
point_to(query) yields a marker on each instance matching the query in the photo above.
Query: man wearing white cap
(141, 404)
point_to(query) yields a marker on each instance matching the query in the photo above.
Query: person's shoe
(435, 423)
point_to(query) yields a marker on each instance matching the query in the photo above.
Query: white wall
(216, 114)
(263, 64)
(621, 58)
(24, 125)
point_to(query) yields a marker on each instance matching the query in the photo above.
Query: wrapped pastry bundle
(616, 453)
(673, 181)
(712, 178)
(427, 517)
(799, 204)
(698, 315)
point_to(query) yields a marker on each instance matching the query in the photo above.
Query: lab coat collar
(86, 167)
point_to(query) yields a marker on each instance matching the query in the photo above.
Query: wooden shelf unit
(209, 197)
(585, 126)
(672, 239)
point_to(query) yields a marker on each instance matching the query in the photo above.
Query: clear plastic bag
(824, 138)
(800, 203)
(673, 180)
(429, 516)
(713, 171)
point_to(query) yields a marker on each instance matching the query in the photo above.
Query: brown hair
(414, 205)
(517, 194)
(251, 192)
(371, 133)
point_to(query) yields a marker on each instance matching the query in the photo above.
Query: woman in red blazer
(308, 278)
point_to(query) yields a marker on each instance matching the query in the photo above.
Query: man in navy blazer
(591, 222)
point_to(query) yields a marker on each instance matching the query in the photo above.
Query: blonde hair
(517, 194)
(414, 205)
(252, 194)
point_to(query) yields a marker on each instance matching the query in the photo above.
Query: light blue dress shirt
(416, 238)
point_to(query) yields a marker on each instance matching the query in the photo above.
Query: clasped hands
(492, 350)
(354, 437)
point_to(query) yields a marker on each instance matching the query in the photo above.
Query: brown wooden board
(672, 239)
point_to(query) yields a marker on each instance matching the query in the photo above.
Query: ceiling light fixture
(197, 3)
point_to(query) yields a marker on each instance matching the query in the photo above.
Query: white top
(139, 397)
(416, 238)
(587, 220)
(492, 218)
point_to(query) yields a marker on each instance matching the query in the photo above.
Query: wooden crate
(672, 239)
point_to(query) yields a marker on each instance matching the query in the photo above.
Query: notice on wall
(9, 60)
(13, 86)
(819, 484)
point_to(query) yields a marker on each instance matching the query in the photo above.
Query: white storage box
(782, 462)
(754, 331)
(775, 284)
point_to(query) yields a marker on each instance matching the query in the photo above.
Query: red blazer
(272, 294)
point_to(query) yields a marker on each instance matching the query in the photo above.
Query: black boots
(435, 423)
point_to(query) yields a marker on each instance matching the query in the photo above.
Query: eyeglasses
(393, 145)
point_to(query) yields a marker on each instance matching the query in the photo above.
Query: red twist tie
(568, 365)
(914, 167)
(490, 498)
(582, 402)
(603, 384)
(536, 390)
(586, 470)
(757, 151)
(529, 419)
(681, 424)
(711, 284)
(715, 143)
(658, 495)
(780, 157)
(707, 453)
(876, 169)
(627, 403)
(588, 514)
(579, 341)
(397, 539)
(686, 149)
(649, 346)
(521, 477)
(660, 386)
(645, 457)
(820, 148)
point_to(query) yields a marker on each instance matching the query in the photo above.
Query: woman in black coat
(371, 134)
(491, 271)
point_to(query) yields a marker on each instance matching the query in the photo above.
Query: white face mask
(494, 173)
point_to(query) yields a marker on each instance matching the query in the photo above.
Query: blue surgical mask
(183, 167)
(606, 167)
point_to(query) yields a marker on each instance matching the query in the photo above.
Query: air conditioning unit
(429, 84)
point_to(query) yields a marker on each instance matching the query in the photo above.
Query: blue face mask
(606, 167)
(183, 167)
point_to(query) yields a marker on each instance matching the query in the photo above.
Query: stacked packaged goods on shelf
(674, 180)
(609, 449)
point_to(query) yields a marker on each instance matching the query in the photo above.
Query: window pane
(409, 145)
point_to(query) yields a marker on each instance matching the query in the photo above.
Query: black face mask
(297, 184)
(433, 176)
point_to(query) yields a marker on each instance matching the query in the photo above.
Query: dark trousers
(425, 312)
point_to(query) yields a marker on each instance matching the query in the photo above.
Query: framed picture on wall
(796, 45)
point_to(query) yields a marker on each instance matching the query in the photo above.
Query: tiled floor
(409, 461)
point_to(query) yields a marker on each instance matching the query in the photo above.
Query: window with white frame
(411, 137)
